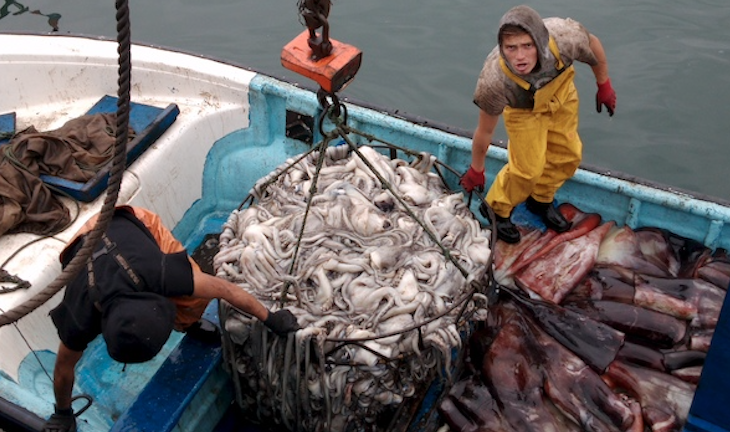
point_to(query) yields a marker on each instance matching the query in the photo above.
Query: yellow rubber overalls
(544, 149)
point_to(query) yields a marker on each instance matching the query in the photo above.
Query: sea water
(668, 63)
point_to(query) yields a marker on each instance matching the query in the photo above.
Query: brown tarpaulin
(76, 151)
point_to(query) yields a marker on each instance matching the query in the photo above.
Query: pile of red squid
(601, 328)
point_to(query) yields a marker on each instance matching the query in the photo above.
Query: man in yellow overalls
(528, 77)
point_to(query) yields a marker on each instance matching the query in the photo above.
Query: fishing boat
(206, 132)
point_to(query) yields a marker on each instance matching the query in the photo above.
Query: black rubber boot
(506, 230)
(550, 215)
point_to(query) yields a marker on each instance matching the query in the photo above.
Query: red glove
(606, 96)
(472, 179)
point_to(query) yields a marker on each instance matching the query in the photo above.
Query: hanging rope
(115, 176)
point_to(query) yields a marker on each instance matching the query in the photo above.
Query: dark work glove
(62, 420)
(472, 179)
(281, 322)
(606, 96)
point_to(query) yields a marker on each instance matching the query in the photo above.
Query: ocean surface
(669, 63)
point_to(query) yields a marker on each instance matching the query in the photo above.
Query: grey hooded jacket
(495, 90)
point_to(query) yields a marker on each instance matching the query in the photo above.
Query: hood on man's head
(527, 18)
(136, 325)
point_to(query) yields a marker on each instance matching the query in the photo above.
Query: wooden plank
(7, 127)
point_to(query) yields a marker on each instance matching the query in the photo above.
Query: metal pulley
(330, 63)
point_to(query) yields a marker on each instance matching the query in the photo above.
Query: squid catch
(382, 265)
(601, 328)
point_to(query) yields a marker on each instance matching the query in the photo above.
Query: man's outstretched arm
(212, 287)
(280, 322)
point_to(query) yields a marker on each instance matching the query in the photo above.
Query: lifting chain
(333, 110)
(315, 13)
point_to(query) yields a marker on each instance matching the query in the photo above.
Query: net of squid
(381, 264)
